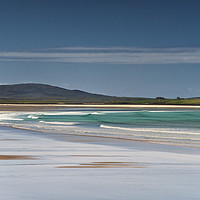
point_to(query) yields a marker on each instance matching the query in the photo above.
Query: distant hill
(41, 92)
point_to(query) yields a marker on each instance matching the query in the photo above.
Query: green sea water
(160, 125)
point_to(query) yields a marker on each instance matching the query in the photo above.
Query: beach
(45, 165)
(100, 100)
(10, 107)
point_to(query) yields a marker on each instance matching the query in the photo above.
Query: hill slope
(42, 93)
(32, 91)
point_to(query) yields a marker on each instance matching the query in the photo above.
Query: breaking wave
(168, 125)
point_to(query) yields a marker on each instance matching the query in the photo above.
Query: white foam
(147, 133)
(79, 113)
(82, 113)
(97, 113)
(66, 113)
(10, 116)
(60, 123)
(153, 130)
(164, 111)
(116, 111)
(32, 117)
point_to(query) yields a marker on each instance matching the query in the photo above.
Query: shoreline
(28, 107)
(143, 145)
(110, 138)
(101, 105)
(97, 138)
(6, 108)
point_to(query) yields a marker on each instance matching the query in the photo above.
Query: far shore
(10, 107)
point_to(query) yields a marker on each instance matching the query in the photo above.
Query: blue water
(163, 125)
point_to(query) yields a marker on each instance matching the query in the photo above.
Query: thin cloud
(107, 55)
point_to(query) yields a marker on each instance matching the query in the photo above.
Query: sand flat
(105, 169)
(107, 165)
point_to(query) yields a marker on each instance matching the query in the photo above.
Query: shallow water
(160, 125)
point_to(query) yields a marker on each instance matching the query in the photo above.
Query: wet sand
(14, 157)
(106, 165)
(45, 166)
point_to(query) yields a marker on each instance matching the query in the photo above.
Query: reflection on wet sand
(15, 157)
(97, 156)
(107, 165)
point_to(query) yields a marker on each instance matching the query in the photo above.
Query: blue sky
(143, 48)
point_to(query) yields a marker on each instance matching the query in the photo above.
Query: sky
(137, 48)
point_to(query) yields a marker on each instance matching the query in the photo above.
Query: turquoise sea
(159, 125)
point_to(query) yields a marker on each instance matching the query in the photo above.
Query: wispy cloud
(107, 55)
